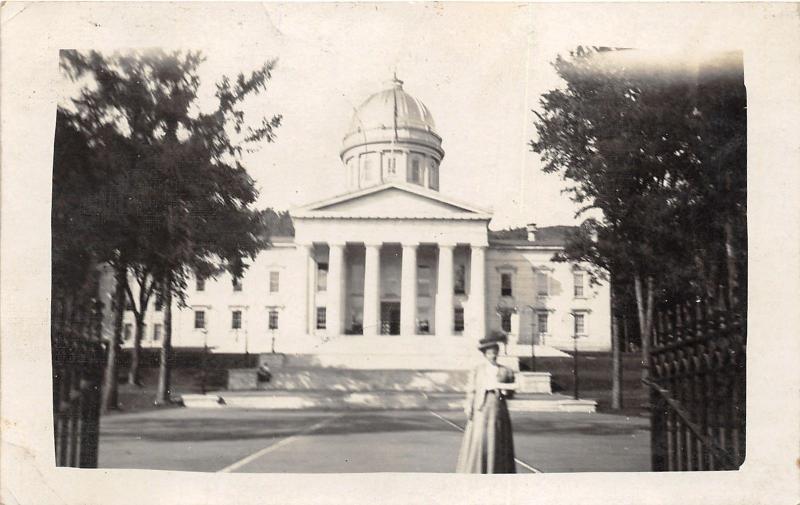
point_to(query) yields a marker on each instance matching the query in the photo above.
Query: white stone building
(395, 271)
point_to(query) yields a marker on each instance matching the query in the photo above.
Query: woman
(488, 446)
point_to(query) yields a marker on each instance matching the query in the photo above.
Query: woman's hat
(495, 338)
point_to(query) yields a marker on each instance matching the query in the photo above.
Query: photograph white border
(768, 35)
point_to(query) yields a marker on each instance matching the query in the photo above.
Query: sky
(466, 62)
(480, 69)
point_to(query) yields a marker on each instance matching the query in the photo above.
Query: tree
(185, 201)
(657, 151)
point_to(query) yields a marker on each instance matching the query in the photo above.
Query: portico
(376, 272)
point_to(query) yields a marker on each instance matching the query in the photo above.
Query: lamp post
(204, 361)
(533, 339)
(575, 364)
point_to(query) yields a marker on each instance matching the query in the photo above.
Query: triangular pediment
(392, 201)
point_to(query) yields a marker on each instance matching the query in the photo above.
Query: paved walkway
(233, 440)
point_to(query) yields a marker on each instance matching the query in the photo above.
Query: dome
(380, 110)
(392, 138)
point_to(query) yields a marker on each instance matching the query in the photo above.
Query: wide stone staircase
(307, 381)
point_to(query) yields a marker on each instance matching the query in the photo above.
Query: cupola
(392, 138)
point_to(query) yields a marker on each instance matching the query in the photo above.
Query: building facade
(394, 269)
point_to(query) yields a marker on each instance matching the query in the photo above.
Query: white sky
(465, 62)
(479, 68)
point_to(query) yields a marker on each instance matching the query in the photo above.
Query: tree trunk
(626, 343)
(616, 369)
(133, 371)
(616, 366)
(110, 397)
(644, 305)
(163, 395)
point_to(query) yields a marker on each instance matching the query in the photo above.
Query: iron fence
(697, 387)
(78, 358)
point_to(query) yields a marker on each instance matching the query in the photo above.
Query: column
(372, 292)
(477, 292)
(310, 266)
(444, 291)
(333, 314)
(408, 291)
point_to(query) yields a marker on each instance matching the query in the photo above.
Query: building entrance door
(390, 318)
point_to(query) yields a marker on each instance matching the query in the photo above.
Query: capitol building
(395, 272)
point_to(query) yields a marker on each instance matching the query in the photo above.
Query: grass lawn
(594, 379)
(187, 376)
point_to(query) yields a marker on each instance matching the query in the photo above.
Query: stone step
(304, 379)
(403, 354)
(376, 361)
(385, 400)
(326, 379)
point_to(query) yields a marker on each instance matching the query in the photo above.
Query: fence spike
(688, 317)
(659, 328)
(678, 324)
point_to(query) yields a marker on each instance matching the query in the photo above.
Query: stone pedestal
(534, 382)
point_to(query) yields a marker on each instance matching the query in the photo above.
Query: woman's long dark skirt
(488, 445)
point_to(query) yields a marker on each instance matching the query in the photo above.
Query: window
(128, 303)
(322, 276)
(156, 332)
(415, 175)
(236, 320)
(159, 303)
(541, 322)
(460, 279)
(505, 284)
(505, 322)
(274, 282)
(201, 284)
(127, 332)
(199, 319)
(580, 324)
(578, 280)
(366, 168)
(237, 284)
(433, 176)
(273, 319)
(320, 318)
(541, 284)
(458, 319)
(391, 165)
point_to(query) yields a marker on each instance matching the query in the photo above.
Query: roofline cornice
(306, 210)
(336, 215)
